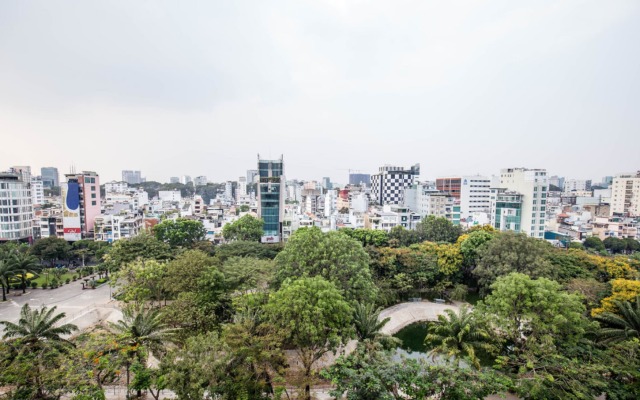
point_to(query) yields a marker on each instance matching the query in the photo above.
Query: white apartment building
(533, 186)
(109, 228)
(475, 195)
(425, 199)
(241, 190)
(116, 187)
(37, 190)
(16, 209)
(185, 179)
(200, 180)
(625, 195)
(169, 195)
(571, 185)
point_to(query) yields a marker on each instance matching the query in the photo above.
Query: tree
(140, 327)
(6, 270)
(141, 247)
(512, 252)
(247, 249)
(614, 245)
(471, 243)
(246, 273)
(594, 243)
(36, 343)
(621, 290)
(183, 273)
(246, 228)
(438, 229)
(460, 335)
(24, 264)
(334, 256)
(180, 232)
(141, 281)
(368, 237)
(51, 249)
(367, 323)
(315, 317)
(620, 326)
(402, 237)
(631, 245)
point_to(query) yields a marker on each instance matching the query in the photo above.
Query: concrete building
(200, 180)
(326, 183)
(16, 209)
(174, 179)
(360, 179)
(424, 199)
(252, 176)
(311, 198)
(116, 187)
(532, 186)
(170, 195)
(37, 190)
(132, 177)
(50, 177)
(506, 210)
(617, 227)
(473, 192)
(557, 181)
(109, 228)
(573, 185)
(81, 201)
(185, 179)
(228, 191)
(271, 189)
(625, 195)
(451, 186)
(23, 172)
(242, 187)
(388, 185)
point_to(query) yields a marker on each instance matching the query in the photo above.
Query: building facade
(475, 193)
(271, 188)
(389, 184)
(532, 185)
(451, 186)
(50, 177)
(506, 210)
(37, 190)
(16, 209)
(360, 179)
(625, 195)
(132, 177)
(81, 201)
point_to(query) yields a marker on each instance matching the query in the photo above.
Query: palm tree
(24, 264)
(36, 333)
(620, 327)
(459, 335)
(36, 329)
(6, 270)
(366, 321)
(140, 327)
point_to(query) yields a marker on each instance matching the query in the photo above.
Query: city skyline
(459, 88)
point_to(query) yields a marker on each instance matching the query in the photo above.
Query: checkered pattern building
(388, 185)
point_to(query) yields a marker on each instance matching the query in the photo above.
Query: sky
(202, 87)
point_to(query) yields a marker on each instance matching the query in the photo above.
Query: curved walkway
(404, 314)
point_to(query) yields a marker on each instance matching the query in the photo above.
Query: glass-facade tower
(271, 189)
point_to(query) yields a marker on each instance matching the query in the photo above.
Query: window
(93, 203)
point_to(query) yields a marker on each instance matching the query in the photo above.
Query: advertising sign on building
(270, 239)
(71, 211)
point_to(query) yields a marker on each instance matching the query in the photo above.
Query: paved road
(82, 307)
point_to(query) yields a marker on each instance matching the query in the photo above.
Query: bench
(440, 301)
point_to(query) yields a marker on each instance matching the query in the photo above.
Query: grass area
(43, 278)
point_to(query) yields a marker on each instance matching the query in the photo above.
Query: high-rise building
(228, 191)
(252, 175)
(24, 172)
(625, 195)
(426, 200)
(506, 210)
(37, 190)
(557, 181)
(50, 177)
(326, 183)
(530, 188)
(451, 186)
(131, 177)
(573, 185)
(200, 180)
(185, 179)
(80, 204)
(475, 195)
(16, 210)
(388, 185)
(242, 187)
(271, 188)
(174, 179)
(360, 179)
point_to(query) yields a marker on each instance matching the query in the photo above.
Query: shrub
(67, 281)
(34, 284)
(75, 277)
(54, 283)
(44, 285)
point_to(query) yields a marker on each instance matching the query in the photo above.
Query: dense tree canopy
(438, 229)
(180, 232)
(247, 228)
(334, 256)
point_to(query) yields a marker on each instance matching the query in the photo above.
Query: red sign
(72, 230)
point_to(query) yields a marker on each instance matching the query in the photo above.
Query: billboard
(270, 239)
(70, 192)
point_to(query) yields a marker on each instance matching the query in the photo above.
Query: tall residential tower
(271, 190)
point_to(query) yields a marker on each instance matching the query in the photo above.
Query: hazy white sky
(199, 88)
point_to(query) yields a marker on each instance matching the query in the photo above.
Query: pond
(412, 337)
